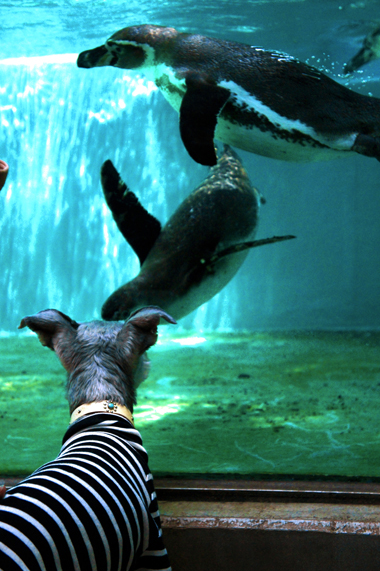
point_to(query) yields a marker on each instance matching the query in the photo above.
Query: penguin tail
(367, 146)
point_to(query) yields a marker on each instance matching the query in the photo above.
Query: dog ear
(149, 317)
(145, 321)
(48, 324)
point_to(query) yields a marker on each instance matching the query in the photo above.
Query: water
(60, 248)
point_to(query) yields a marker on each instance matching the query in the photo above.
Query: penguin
(4, 169)
(264, 102)
(369, 52)
(197, 252)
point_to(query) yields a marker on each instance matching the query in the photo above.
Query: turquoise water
(60, 248)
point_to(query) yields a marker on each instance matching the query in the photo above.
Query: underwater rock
(4, 169)
(263, 102)
(369, 52)
(198, 251)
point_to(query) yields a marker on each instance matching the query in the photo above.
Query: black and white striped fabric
(94, 508)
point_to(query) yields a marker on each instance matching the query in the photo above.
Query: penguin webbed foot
(199, 111)
(137, 225)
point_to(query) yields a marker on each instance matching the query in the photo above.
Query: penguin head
(130, 48)
(114, 53)
(122, 302)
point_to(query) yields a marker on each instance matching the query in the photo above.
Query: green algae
(247, 404)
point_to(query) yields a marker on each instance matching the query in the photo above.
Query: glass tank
(278, 374)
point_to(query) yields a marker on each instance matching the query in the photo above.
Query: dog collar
(102, 406)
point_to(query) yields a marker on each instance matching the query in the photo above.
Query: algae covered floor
(248, 404)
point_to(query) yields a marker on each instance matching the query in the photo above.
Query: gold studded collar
(102, 406)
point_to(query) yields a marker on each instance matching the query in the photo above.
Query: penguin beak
(97, 57)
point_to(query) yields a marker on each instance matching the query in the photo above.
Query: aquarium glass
(278, 375)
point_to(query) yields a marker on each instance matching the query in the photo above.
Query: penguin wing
(138, 227)
(198, 115)
(207, 265)
(369, 51)
(235, 248)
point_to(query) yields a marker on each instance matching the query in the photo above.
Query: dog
(94, 507)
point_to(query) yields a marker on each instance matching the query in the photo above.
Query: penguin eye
(127, 56)
(115, 48)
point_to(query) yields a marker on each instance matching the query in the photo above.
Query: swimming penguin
(263, 102)
(369, 52)
(197, 252)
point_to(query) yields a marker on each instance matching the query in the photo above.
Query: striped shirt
(93, 508)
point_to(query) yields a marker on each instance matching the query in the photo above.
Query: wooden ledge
(327, 507)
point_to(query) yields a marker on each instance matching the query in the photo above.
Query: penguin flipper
(368, 52)
(367, 145)
(235, 248)
(138, 227)
(198, 115)
(361, 58)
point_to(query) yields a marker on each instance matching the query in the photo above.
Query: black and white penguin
(369, 52)
(200, 248)
(263, 102)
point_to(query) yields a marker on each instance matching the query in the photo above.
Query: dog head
(104, 360)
